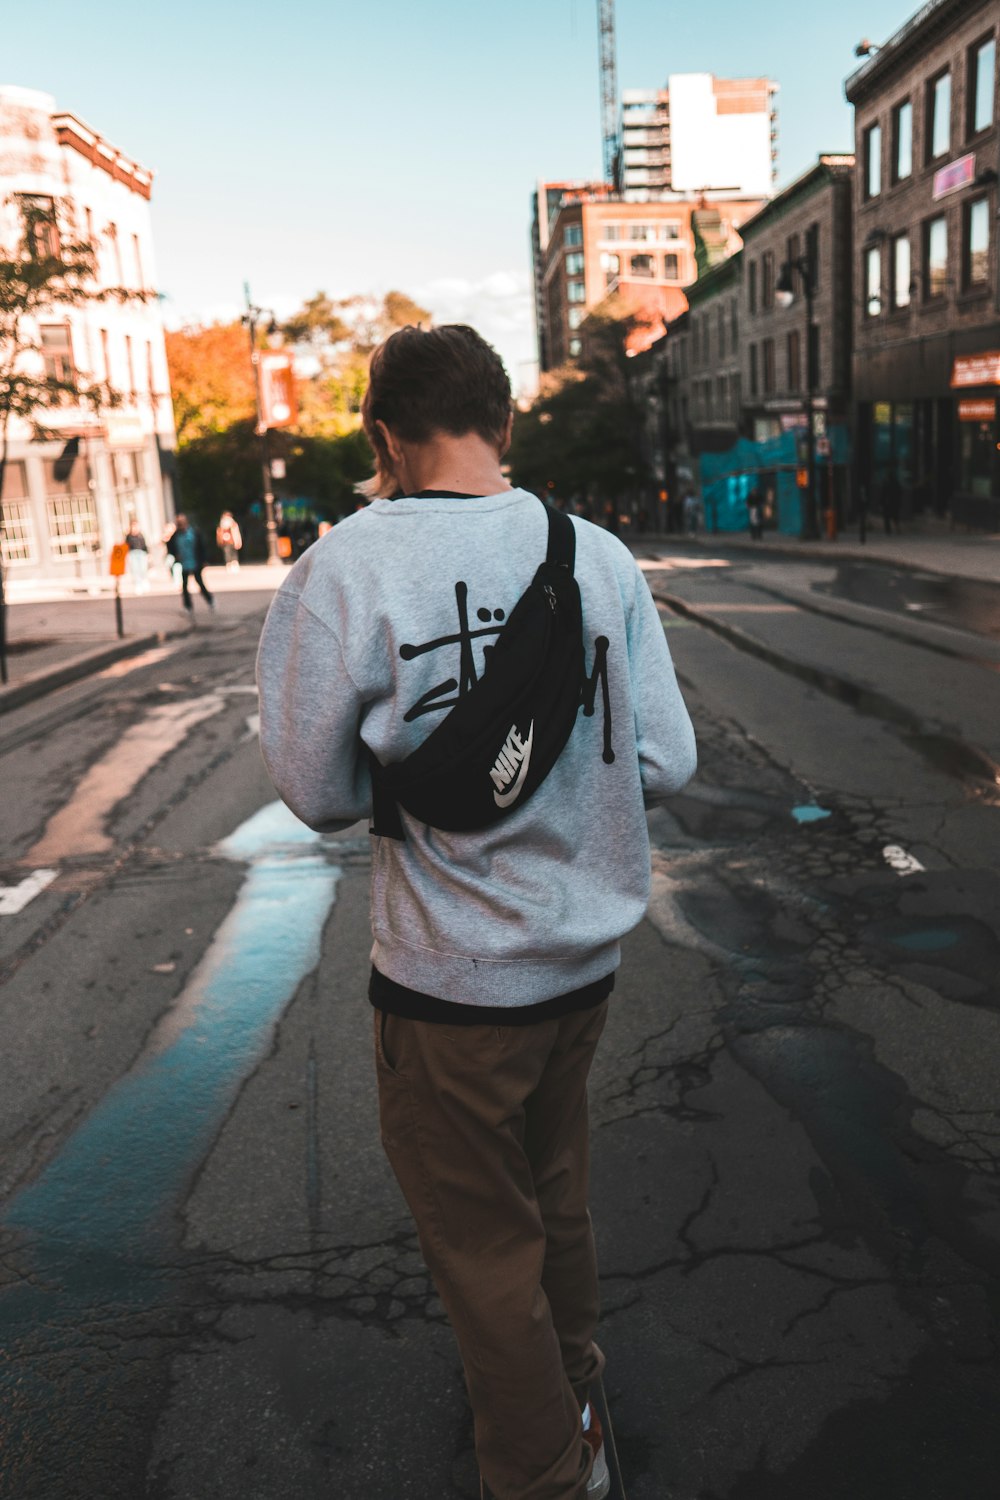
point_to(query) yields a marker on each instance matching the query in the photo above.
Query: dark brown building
(927, 309)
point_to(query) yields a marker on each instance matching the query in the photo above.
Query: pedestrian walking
(187, 548)
(755, 515)
(230, 539)
(137, 561)
(495, 941)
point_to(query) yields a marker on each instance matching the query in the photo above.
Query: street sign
(119, 555)
(955, 176)
(823, 447)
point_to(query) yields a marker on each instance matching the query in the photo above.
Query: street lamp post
(250, 320)
(785, 293)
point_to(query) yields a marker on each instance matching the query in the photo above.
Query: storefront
(974, 380)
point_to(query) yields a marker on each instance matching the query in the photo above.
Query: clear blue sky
(314, 144)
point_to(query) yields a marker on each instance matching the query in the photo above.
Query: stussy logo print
(451, 690)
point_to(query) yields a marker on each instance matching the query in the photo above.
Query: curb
(974, 763)
(40, 683)
(820, 550)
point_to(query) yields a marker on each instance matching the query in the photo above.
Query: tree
(580, 439)
(211, 379)
(47, 268)
(317, 322)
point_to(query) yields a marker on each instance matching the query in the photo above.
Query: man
(187, 548)
(494, 951)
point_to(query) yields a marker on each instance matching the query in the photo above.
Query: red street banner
(277, 388)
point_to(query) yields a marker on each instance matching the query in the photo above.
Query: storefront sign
(977, 411)
(955, 176)
(976, 369)
(124, 430)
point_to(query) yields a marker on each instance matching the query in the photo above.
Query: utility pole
(250, 320)
(609, 91)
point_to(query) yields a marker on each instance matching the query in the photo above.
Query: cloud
(498, 305)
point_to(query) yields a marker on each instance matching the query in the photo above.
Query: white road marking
(14, 898)
(902, 862)
(79, 827)
(131, 663)
(240, 687)
(253, 727)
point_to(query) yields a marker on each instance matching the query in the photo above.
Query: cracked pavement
(795, 1127)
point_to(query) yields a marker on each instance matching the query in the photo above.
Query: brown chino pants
(486, 1129)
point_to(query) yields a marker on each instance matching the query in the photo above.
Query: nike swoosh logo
(504, 799)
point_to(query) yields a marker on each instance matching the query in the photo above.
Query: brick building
(927, 315)
(596, 246)
(783, 356)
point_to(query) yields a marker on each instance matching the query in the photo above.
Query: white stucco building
(69, 496)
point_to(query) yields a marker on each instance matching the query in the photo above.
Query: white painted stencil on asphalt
(130, 663)
(899, 860)
(656, 564)
(79, 827)
(14, 898)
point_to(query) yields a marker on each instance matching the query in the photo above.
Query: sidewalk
(974, 556)
(59, 632)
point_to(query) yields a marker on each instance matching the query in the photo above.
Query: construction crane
(609, 90)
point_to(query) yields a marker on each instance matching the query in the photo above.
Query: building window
(901, 271)
(642, 232)
(17, 535)
(642, 265)
(150, 374)
(575, 291)
(574, 348)
(812, 253)
(720, 321)
(734, 326)
(754, 376)
(611, 232)
(767, 280)
(873, 282)
(902, 141)
(38, 215)
(573, 235)
(574, 263)
(768, 362)
(670, 231)
(976, 238)
(576, 316)
(130, 364)
(137, 256)
(734, 396)
(935, 257)
(72, 524)
(57, 351)
(939, 116)
(752, 287)
(794, 361)
(721, 396)
(873, 161)
(106, 355)
(982, 67)
(672, 267)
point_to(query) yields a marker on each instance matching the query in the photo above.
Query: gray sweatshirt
(375, 632)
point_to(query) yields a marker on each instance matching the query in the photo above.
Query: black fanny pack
(502, 738)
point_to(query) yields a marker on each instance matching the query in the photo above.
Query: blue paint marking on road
(116, 1181)
(809, 812)
(929, 940)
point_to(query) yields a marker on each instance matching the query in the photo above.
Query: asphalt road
(210, 1286)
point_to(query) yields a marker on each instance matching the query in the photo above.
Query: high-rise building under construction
(699, 135)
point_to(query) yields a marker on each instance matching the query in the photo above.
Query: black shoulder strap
(562, 539)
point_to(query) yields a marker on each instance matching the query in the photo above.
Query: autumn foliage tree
(214, 407)
(211, 379)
